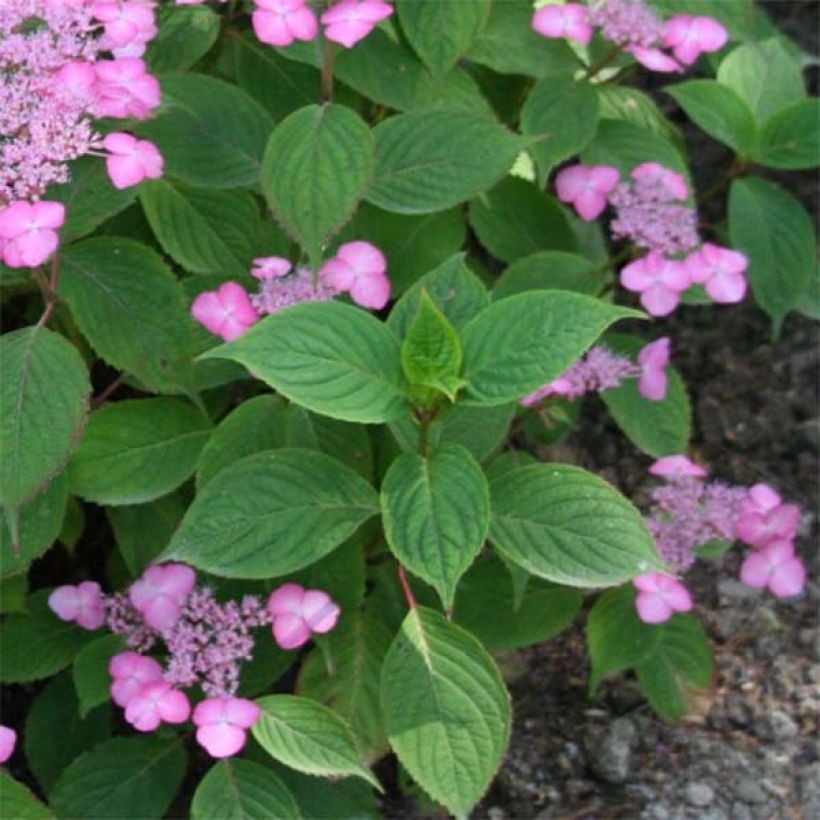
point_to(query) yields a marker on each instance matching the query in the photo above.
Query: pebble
(782, 726)
(699, 794)
(749, 792)
(730, 588)
(611, 753)
(740, 811)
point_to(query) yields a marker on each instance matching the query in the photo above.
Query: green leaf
(43, 406)
(518, 344)
(238, 789)
(485, 606)
(317, 165)
(548, 270)
(516, 219)
(790, 139)
(13, 592)
(134, 777)
(332, 358)
(569, 526)
(713, 550)
(429, 161)
(435, 510)
(137, 450)
(308, 737)
(38, 644)
(447, 711)
(346, 442)
(441, 31)
(211, 133)
(184, 36)
(272, 513)
(91, 677)
(345, 673)
(203, 231)
(618, 102)
(720, 111)
(563, 114)
(17, 802)
(773, 229)
(626, 145)
(131, 309)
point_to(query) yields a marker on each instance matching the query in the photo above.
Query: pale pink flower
(227, 311)
(654, 173)
(126, 89)
(352, 20)
(677, 467)
(721, 270)
(271, 267)
(689, 37)
(653, 359)
(29, 232)
(570, 21)
(360, 269)
(655, 60)
(131, 672)
(659, 280)
(222, 723)
(586, 187)
(8, 740)
(130, 160)
(125, 24)
(760, 499)
(159, 594)
(298, 612)
(280, 22)
(778, 523)
(157, 702)
(660, 597)
(82, 604)
(775, 567)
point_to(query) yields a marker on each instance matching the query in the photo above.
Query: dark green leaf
(185, 35)
(790, 139)
(548, 270)
(91, 677)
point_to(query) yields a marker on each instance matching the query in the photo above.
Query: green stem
(596, 69)
(328, 60)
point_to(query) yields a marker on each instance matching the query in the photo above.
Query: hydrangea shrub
(296, 291)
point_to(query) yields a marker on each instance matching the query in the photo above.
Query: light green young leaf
(18, 803)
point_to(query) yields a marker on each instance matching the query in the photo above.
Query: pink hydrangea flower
(160, 593)
(280, 22)
(660, 597)
(653, 359)
(722, 271)
(131, 672)
(130, 160)
(125, 25)
(760, 499)
(157, 702)
(82, 604)
(570, 21)
(28, 232)
(126, 89)
(677, 467)
(660, 282)
(655, 60)
(227, 311)
(671, 181)
(689, 37)
(775, 567)
(360, 269)
(585, 187)
(298, 613)
(778, 523)
(222, 723)
(271, 267)
(352, 20)
(77, 80)
(8, 740)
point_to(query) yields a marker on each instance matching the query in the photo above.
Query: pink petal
(290, 631)
(364, 258)
(271, 28)
(654, 59)
(142, 714)
(8, 740)
(653, 384)
(371, 291)
(286, 600)
(676, 467)
(788, 579)
(221, 739)
(648, 582)
(271, 267)
(124, 172)
(15, 219)
(660, 300)
(710, 34)
(236, 300)
(242, 712)
(120, 143)
(64, 602)
(572, 181)
(637, 276)
(678, 597)
(550, 21)
(174, 707)
(319, 611)
(652, 608)
(656, 354)
(337, 274)
(756, 570)
(590, 205)
(604, 178)
(33, 248)
(348, 33)
(727, 288)
(49, 214)
(210, 710)
(303, 24)
(763, 497)
(161, 612)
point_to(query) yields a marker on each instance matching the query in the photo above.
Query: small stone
(740, 811)
(699, 794)
(496, 813)
(782, 726)
(749, 792)
(730, 588)
(610, 753)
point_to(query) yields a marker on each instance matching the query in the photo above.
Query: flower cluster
(358, 268)
(636, 28)
(204, 643)
(602, 369)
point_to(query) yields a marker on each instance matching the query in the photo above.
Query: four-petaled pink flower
(82, 604)
(298, 612)
(130, 160)
(280, 22)
(361, 269)
(659, 280)
(653, 359)
(352, 20)
(28, 232)
(689, 37)
(160, 593)
(127, 26)
(131, 672)
(227, 311)
(586, 187)
(558, 21)
(671, 181)
(775, 567)
(761, 528)
(659, 597)
(157, 702)
(722, 271)
(271, 267)
(677, 467)
(126, 89)
(8, 740)
(222, 723)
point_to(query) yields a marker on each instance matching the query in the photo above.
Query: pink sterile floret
(586, 188)
(298, 612)
(720, 270)
(131, 672)
(570, 21)
(222, 723)
(659, 597)
(271, 267)
(160, 593)
(227, 311)
(352, 20)
(653, 359)
(126, 89)
(8, 740)
(28, 232)
(76, 80)
(155, 703)
(361, 269)
(776, 567)
(759, 529)
(659, 280)
(672, 182)
(130, 160)
(82, 604)
(126, 25)
(280, 22)
(689, 37)
(760, 499)
(677, 467)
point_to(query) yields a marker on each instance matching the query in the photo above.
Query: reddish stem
(405, 585)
